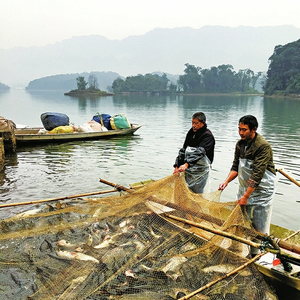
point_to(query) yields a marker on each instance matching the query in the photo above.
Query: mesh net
(126, 247)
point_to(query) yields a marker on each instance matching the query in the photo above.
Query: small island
(92, 90)
(88, 92)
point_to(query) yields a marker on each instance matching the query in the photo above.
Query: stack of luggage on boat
(57, 123)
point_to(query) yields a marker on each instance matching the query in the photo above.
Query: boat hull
(287, 284)
(31, 136)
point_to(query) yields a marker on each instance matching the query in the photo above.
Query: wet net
(128, 246)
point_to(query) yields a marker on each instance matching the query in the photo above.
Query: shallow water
(51, 170)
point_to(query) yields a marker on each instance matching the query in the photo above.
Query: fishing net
(126, 246)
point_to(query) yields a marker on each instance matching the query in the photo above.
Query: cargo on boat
(58, 129)
(34, 135)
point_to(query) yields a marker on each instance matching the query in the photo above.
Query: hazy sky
(41, 22)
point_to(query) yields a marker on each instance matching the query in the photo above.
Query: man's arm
(244, 199)
(232, 175)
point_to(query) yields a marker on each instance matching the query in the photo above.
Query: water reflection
(42, 95)
(72, 168)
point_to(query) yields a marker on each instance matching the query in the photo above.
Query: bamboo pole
(221, 278)
(290, 236)
(276, 245)
(289, 177)
(117, 186)
(57, 199)
(215, 231)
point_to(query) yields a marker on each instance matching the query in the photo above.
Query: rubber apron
(259, 205)
(196, 175)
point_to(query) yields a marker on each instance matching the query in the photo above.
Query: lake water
(74, 168)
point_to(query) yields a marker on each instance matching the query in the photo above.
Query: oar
(57, 199)
(289, 177)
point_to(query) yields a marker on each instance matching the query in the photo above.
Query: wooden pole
(289, 177)
(279, 243)
(290, 236)
(222, 277)
(215, 231)
(117, 186)
(57, 199)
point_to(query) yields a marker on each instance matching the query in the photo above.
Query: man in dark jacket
(254, 167)
(197, 154)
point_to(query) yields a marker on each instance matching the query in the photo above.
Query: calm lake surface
(51, 171)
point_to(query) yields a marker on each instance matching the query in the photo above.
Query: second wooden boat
(32, 135)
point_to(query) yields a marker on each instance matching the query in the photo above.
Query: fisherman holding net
(197, 154)
(254, 167)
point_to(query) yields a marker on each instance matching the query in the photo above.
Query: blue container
(52, 120)
(105, 118)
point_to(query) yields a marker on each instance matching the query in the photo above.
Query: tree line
(283, 78)
(92, 83)
(149, 83)
(221, 79)
(283, 75)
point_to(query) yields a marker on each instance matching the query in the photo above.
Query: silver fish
(174, 264)
(68, 246)
(107, 241)
(76, 255)
(225, 268)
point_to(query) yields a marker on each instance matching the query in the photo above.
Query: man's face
(196, 124)
(245, 133)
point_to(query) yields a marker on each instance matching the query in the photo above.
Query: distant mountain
(4, 87)
(164, 50)
(68, 82)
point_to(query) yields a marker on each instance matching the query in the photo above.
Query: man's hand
(243, 200)
(223, 185)
(176, 171)
(230, 177)
(182, 168)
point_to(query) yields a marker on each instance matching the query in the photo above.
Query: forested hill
(284, 70)
(164, 50)
(67, 82)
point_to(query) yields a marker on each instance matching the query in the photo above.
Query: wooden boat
(32, 135)
(286, 283)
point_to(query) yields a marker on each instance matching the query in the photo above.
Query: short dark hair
(249, 120)
(200, 116)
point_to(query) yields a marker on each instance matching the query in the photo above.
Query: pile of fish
(138, 256)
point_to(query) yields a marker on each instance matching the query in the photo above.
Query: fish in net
(128, 247)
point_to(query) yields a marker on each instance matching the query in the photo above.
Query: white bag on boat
(85, 128)
(96, 126)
